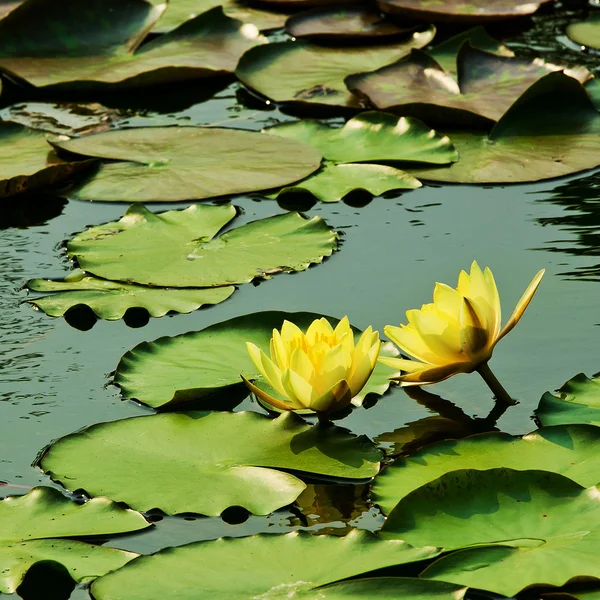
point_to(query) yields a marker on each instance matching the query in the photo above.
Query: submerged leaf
(586, 33)
(206, 462)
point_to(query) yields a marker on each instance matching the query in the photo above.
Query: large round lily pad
(205, 462)
(175, 370)
(303, 73)
(30, 524)
(28, 164)
(266, 566)
(586, 33)
(551, 131)
(110, 300)
(571, 450)
(545, 528)
(463, 11)
(372, 137)
(178, 248)
(97, 45)
(170, 164)
(578, 401)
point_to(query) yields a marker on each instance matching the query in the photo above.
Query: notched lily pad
(304, 563)
(98, 45)
(204, 462)
(187, 368)
(171, 164)
(27, 163)
(300, 73)
(578, 401)
(111, 300)
(586, 33)
(179, 248)
(469, 11)
(31, 524)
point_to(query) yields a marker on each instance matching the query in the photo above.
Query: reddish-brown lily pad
(471, 11)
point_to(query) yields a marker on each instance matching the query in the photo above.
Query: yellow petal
(334, 367)
(336, 398)
(430, 375)
(270, 399)
(319, 329)
(447, 300)
(298, 390)
(366, 341)
(407, 339)
(495, 320)
(522, 304)
(440, 335)
(402, 364)
(291, 333)
(301, 364)
(360, 374)
(279, 352)
(473, 335)
(267, 367)
(342, 328)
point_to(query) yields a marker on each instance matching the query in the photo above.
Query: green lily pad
(186, 368)
(541, 528)
(578, 402)
(334, 182)
(551, 131)
(302, 73)
(570, 450)
(586, 33)
(372, 137)
(593, 90)
(204, 462)
(180, 11)
(347, 23)
(110, 300)
(97, 45)
(30, 524)
(267, 566)
(461, 11)
(178, 248)
(171, 164)
(417, 85)
(573, 594)
(28, 164)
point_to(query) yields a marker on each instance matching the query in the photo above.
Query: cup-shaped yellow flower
(320, 370)
(457, 333)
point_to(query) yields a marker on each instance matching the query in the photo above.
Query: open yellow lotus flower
(321, 370)
(457, 333)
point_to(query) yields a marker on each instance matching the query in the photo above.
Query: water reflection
(580, 199)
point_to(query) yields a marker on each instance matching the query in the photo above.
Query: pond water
(54, 378)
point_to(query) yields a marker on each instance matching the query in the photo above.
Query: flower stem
(324, 419)
(499, 392)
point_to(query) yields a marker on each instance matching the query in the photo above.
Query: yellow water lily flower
(457, 333)
(320, 370)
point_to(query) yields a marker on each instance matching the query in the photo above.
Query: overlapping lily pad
(462, 11)
(551, 131)
(97, 45)
(578, 401)
(303, 73)
(187, 368)
(110, 300)
(179, 248)
(586, 33)
(170, 164)
(30, 524)
(205, 462)
(417, 85)
(27, 162)
(571, 450)
(275, 566)
(545, 528)
(372, 137)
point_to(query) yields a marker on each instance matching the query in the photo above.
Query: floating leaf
(175, 370)
(178, 249)
(110, 300)
(97, 45)
(171, 164)
(334, 182)
(180, 11)
(27, 163)
(372, 137)
(578, 402)
(270, 566)
(470, 11)
(204, 462)
(570, 450)
(551, 131)
(586, 33)
(417, 85)
(29, 524)
(545, 528)
(347, 23)
(302, 73)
